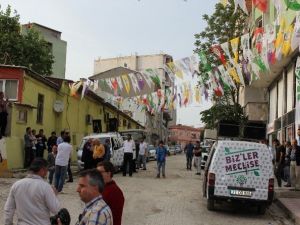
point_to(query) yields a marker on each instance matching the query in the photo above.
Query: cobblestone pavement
(176, 200)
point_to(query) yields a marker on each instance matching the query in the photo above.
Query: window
(129, 125)
(290, 90)
(40, 109)
(22, 116)
(10, 88)
(273, 104)
(280, 98)
(124, 123)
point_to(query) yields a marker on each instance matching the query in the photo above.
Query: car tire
(261, 209)
(210, 204)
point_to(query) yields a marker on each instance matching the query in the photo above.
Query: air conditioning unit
(88, 119)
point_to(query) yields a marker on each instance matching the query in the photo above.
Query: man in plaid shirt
(96, 211)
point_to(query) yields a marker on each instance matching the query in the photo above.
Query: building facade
(182, 135)
(57, 45)
(156, 125)
(45, 103)
(272, 98)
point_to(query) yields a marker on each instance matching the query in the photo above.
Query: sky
(111, 28)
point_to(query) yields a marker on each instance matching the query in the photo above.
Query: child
(51, 162)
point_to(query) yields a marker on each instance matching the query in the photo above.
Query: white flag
(134, 82)
(296, 35)
(225, 47)
(241, 4)
(120, 84)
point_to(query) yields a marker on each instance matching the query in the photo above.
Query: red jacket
(114, 198)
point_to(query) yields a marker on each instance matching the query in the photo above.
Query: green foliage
(223, 112)
(29, 50)
(222, 26)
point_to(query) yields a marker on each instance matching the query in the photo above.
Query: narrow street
(176, 200)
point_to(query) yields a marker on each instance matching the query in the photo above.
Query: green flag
(204, 61)
(292, 4)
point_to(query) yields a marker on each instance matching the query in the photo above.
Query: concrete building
(45, 103)
(58, 46)
(182, 135)
(271, 100)
(156, 125)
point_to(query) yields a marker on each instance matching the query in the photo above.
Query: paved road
(176, 200)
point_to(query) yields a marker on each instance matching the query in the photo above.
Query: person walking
(28, 154)
(32, 198)
(90, 188)
(198, 157)
(128, 156)
(287, 163)
(64, 151)
(87, 155)
(41, 143)
(3, 114)
(189, 149)
(295, 166)
(161, 154)
(60, 139)
(142, 154)
(112, 194)
(51, 141)
(51, 163)
(279, 161)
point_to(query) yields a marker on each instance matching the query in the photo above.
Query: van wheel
(261, 209)
(210, 204)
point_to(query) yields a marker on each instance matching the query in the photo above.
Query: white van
(239, 171)
(116, 148)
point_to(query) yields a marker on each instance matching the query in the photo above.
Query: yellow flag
(232, 72)
(175, 70)
(197, 95)
(126, 82)
(224, 2)
(235, 48)
(280, 34)
(286, 47)
(74, 88)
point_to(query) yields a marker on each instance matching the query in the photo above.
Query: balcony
(256, 111)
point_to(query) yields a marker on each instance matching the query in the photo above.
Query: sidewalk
(289, 201)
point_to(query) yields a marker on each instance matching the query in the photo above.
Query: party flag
(245, 45)
(126, 82)
(296, 34)
(262, 5)
(258, 38)
(217, 50)
(141, 82)
(225, 47)
(297, 73)
(120, 84)
(241, 4)
(224, 2)
(147, 78)
(259, 62)
(204, 61)
(240, 74)
(134, 82)
(278, 7)
(175, 70)
(154, 76)
(235, 47)
(84, 89)
(197, 94)
(74, 87)
(232, 72)
(280, 39)
(286, 46)
(226, 77)
(292, 4)
(182, 66)
(96, 85)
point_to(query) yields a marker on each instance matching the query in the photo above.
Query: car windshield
(205, 149)
(151, 147)
(102, 140)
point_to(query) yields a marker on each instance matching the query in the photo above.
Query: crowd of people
(193, 151)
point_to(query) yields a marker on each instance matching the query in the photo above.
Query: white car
(239, 171)
(204, 155)
(151, 152)
(116, 149)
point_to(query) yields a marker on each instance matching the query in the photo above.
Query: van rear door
(242, 170)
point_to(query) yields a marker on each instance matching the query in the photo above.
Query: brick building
(181, 134)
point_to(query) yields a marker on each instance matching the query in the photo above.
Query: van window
(113, 143)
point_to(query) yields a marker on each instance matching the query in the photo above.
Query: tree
(222, 26)
(29, 50)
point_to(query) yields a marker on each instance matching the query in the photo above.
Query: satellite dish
(58, 106)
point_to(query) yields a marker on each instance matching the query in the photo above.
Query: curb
(295, 219)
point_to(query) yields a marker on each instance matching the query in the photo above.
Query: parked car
(151, 152)
(116, 149)
(172, 150)
(178, 149)
(239, 171)
(168, 149)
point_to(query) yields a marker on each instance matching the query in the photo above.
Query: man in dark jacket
(279, 161)
(189, 151)
(87, 155)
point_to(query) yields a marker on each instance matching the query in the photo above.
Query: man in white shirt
(64, 151)
(128, 155)
(32, 198)
(142, 154)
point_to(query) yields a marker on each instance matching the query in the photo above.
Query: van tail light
(211, 179)
(271, 185)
